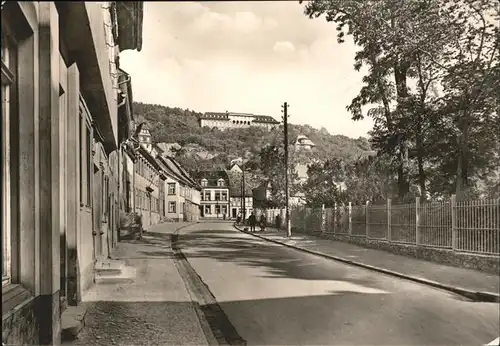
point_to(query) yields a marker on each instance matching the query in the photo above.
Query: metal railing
(465, 226)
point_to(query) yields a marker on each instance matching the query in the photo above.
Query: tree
(272, 165)
(321, 187)
(338, 181)
(447, 124)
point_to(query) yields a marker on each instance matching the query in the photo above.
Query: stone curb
(473, 295)
(204, 324)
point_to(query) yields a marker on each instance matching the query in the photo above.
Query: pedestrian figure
(262, 223)
(238, 220)
(277, 221)
(252, 220)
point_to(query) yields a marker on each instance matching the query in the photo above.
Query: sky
(247, 57)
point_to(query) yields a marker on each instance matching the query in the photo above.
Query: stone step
(126, 275)
(109, 266)
(72, 321)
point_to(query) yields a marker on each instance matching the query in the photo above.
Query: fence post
(389, 213)
(418, 239)
(323, 218)
(454, 230)
(334, 217)
(304, 226)
(350, 218)
(367, 219)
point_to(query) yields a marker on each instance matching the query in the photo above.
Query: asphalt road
(274, 295)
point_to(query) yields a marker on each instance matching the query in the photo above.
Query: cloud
(214, 56)
(283, 47)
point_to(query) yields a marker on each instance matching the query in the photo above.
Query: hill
(204, 148)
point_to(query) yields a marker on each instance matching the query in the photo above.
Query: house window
(207, 196)
(204, 182)
(208, 210)
(217, 209)
(217, 195)
(224, 209)
(171, 207)
(220, 182)
(224, 195)
(171, 188)
(9, 68)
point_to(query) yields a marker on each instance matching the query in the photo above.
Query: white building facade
(230, 120)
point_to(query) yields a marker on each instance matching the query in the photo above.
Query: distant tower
(145, 138)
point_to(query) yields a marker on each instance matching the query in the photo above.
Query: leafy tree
(272, 165)
(338, 181)
(448, 124)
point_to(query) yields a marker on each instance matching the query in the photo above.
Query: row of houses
(73, 160)
(225, 197)
(157, 187)
(72, 164)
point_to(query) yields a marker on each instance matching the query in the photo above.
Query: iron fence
(467, 226)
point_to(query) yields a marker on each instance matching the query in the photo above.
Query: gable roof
(147, 155)
(170, 167)
(212, 177)
(265, 119)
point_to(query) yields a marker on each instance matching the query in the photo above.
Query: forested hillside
(204, 148)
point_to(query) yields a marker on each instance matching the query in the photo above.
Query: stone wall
(20, 327)
(488, 264)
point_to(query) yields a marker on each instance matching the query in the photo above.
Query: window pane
(9, 59)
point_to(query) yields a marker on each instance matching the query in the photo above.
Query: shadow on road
(282, 321)
(252, 252)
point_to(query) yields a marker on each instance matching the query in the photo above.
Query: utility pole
(287, 188)
(241, 200)
(244, 194)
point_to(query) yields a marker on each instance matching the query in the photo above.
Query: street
(274, 295)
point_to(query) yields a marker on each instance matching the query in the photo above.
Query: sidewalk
(473, 284)
(153, 309)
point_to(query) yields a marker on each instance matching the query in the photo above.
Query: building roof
(265, 119)
(183, 171)
(174, 169)
(303, 140)
(212, 177)
(215, 116)
(225, 116)
(147, 155)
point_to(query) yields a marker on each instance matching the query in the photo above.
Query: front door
(234, 213)
(96, 214)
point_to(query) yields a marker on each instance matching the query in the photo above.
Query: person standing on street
(252, 220)
(262, 222)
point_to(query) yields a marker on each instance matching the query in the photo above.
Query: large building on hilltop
(230, 120)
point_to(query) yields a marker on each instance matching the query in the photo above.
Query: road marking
(495, 342)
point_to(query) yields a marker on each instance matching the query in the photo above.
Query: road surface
(274, 295)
